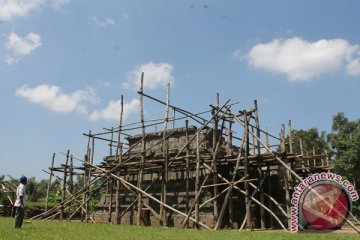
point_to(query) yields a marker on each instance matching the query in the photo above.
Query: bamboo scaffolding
(214, 174)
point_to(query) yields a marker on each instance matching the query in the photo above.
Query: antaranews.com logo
(321, 201)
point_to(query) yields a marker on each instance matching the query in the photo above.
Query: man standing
(20, 202)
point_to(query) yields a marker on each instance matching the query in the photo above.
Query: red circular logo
(325, 205)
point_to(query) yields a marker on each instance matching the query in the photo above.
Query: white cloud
(23, 46)
(155, 75)
(353, 68)
(12, 9)
(105, 23)
(19, 46)
(53, 98)
(112, 110)
(302, 60)
(9, 60)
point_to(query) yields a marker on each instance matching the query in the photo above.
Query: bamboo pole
(271, 221)
(63, 195)
(197, 179)
(142, 160)
(49, 183)
(111, 141)
(119, 157)
(166, 159)
(230, 201)
(187, 183)
(111, 187)
(86, 181)
(214, 156)
(290, 138)
(260, 172)
(246, 172)
(287, 196)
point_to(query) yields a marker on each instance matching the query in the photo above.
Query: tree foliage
(345, 142)
(312, 141)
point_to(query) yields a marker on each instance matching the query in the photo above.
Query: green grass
(47, 230)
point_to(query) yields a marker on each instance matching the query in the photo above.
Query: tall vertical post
(64, 186)
(119, 158)
(287, 196)
(111, 184)
(187, 170)
(166, 158)
(84, 211)
(49, 183)
(267, 140)
(282, 137)
(246, 171)
(215, 142)
(271, 223)
(142, 159)
(111, 142)
(290, 138)
(260, 172)
(230, 153)
(197, 179)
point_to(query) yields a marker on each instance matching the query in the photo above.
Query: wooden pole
(271, 220)
(142, 159)
(231, 195)
(214, 156)
(267, 141)
(246, 172)
(111, 141)
(86, 180)
(282, 137)
(49, 183)
(287, 196)
(260, 172)
(187, 184)
(64, 185)
(166, 158)
(119, 157)
(197, 179)
(111, 185)
(290, 138)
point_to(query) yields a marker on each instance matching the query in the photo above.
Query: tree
(345, 142)
(312, 140)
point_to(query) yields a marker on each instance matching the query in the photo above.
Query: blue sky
(64, 65)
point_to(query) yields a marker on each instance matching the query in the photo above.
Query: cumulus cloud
(52, 98)
(19, 46)
(12, 9)
(155, 75)
(302, 60)
(112, 110)
(353, 68)
(25, 45)
(105, 23)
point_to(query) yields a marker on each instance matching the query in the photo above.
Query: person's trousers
(19, 216)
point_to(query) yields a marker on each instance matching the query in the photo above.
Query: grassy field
(47, 230)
